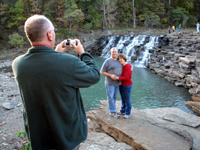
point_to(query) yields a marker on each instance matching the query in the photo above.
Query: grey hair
(113, 49)
(36, 27)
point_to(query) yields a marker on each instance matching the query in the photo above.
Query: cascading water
(129, 50)
(143, 60)
(134, 48)
(114, 41)
(105, 51)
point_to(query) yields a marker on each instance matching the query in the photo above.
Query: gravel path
(11, 120)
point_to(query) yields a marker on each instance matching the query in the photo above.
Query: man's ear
(50, 36)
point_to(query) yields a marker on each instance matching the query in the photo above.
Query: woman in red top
(126, 86)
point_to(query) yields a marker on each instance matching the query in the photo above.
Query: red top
(126, 75)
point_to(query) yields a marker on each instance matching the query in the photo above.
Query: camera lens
(67, 43)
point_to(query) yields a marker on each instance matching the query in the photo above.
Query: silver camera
(68, 42)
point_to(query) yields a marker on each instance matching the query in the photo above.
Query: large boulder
(140, 131)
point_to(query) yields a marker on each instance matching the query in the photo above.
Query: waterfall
(129, 50)
(106, 50)
(135, 48)
(144, 58)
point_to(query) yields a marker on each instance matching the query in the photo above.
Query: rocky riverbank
(162, 128)
(182, 63)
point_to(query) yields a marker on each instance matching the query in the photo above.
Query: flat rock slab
(175, 115)
(138, 132)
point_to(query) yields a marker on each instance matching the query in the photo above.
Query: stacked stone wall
(182, 61)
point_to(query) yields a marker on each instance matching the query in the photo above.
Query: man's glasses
(55, 30)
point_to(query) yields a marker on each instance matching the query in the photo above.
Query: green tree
(16, 15)
(72, 15)
(92, 13)
(150, 19)
(3, 14)
(196, 10)
(59, 12)
(125, 10)
(109, 8)
(36, 6)
(49, 9)
(150, 12)
(188, 5)
(177, 15)
(94, 17)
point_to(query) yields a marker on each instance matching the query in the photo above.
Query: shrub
(191, 22)
(26, 146)
(16, 40)
(88, 26)
(62, 33)
(73, 33)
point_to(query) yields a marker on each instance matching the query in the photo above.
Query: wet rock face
(182, 61)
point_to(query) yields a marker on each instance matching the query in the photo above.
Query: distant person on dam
(169, 29)
(49, 82)
(198, 26)
(110, 68)
(126, 86)
(173, 28)
(163, 59)
(179, 27)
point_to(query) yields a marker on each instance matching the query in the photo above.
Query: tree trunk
(104, 13)
(70, 26)
(133, 15)
(169, 10)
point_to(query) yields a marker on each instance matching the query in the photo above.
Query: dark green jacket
(49, 83)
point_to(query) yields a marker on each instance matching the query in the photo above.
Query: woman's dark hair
(122, 56)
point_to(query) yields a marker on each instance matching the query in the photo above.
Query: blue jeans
(112, 91)
(125, 92)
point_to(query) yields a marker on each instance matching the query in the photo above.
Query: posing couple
(118, 77)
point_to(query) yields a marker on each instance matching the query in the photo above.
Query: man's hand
(114, 77)
(61, 48)
(79, 48)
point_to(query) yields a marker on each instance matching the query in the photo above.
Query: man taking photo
(49, 82)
